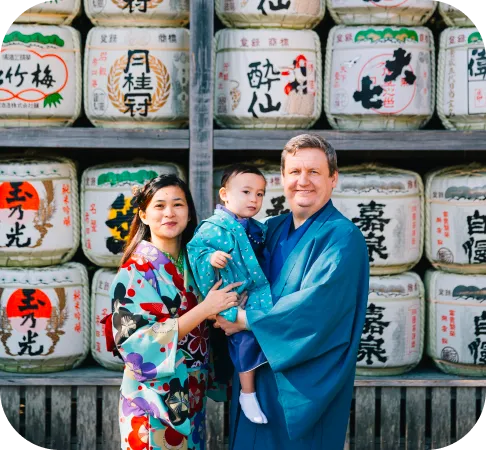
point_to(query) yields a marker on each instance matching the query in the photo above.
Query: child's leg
(248, 399)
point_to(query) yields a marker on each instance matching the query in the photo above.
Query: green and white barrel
(41, 82)
(295, 14)
(100, 308)
(45, 318)
(274, 202)
(455, 226)
(461, 84)
(137, 77)
(107, 206)
(52, 12)
(456, 322)
(39, 211)
(388, 12)
(267, 78)
(379, 78)
(453, 17)
(142, 13)
(392, 341)
(386, 204)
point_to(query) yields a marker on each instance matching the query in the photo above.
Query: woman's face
(167, 214)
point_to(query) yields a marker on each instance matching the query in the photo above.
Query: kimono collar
(250, 227)
(151, 253)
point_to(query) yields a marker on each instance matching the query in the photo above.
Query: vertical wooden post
(201, 106)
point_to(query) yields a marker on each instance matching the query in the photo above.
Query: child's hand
(219, 259)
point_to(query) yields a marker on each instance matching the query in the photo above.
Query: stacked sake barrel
(461, 88)
(41, 85)
(386, 204)
(107, 210)
(59, 12)
(44, 310)
(453, 17)
(136, 74)
(270, 77)
(455, 244)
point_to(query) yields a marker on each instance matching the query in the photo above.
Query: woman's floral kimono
(163, 393)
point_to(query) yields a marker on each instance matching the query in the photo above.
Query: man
(318, 270)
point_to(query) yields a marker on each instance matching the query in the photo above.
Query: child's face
(243, 194)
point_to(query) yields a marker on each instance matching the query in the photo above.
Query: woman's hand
(219, 300)
(230, 328)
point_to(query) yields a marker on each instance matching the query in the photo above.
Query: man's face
(307, 184)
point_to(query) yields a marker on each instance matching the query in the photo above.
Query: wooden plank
(35, 415)
(93, 138)
(10, 397)
(110, 430)
(86, 417)
(390, 418)
(465, 411)
(347, 442)
(365, 418)
(415, 418)
(423, 140)
(201, 106)
(214, 425)
(60, 417)
(441, 417)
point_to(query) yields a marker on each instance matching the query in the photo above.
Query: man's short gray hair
(310, 141)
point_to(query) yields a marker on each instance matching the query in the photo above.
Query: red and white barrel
(143, 13)
(381, 12)
(52, 12)
(41, 82)
(267, 78)
(386, 204)
(461, 84)
(392, 341)
(39, 211)
(137, 77)
(274, 203)
(456, 219)
(379, 78)
(454, 17)
(108, 207)
(45, 318)
(101, 306)
(456, 322)
(295, 14)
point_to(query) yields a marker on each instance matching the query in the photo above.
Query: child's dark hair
(236, 169)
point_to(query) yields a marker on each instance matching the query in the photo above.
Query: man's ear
(223, 195)
(335, 178)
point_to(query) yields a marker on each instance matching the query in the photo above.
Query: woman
(159, 324)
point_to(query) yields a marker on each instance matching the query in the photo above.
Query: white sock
(251, 408)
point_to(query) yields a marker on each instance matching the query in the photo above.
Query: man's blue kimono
(310, 336)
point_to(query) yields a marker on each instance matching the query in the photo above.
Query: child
(229, 245)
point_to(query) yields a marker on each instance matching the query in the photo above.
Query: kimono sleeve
(202, 246)
(147, 343)
(310, 337)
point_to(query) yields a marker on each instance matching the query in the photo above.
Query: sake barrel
(392, 341)
(45, 318)
(107, 206)
(158, 13)
(386, 204)
(137, 77)
(54, 12)
(461, 91)
(40, 76)
(379, 78)
(456, 328)
(274, 202)
(267, 78)
(100, 308)
(268, 13)
(456, 219)
(453, 17)
(39, 211)
(383, 12)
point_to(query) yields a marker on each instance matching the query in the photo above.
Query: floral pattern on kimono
(165, 379)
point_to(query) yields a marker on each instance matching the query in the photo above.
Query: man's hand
(230, 328)
(219, 259)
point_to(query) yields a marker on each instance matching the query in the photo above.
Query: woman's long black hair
(139, 231)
